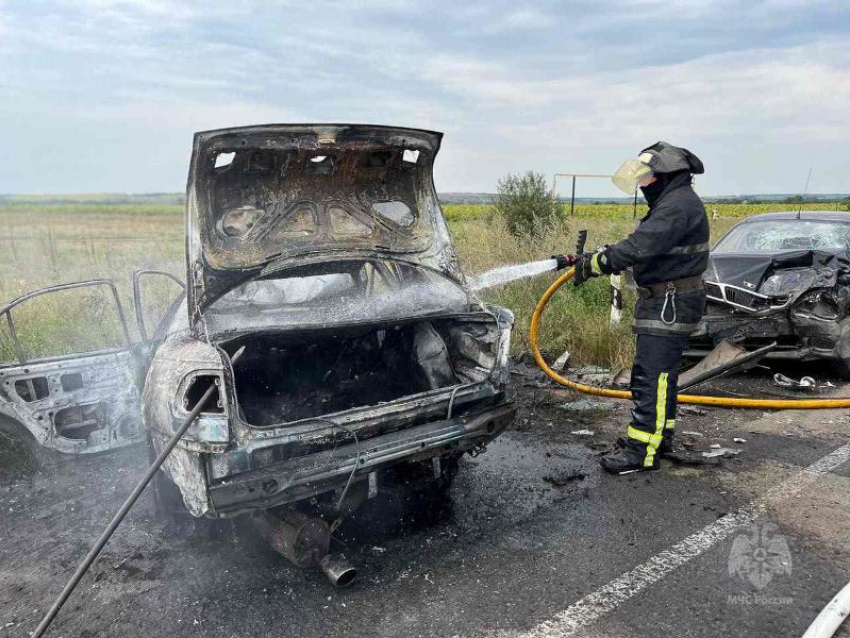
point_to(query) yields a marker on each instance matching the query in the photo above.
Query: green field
(48, 240)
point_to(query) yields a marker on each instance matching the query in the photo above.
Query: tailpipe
(304, 541)
(338, 570)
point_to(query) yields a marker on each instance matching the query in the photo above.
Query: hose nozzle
(565, 261)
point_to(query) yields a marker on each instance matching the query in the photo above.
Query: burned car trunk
(799, 299)
(320, 254)
(290, 377)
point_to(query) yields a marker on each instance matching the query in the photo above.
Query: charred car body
(320, 254)
(781, 278)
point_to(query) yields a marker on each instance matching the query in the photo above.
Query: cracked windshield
(772, 236)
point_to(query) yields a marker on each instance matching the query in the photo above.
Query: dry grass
(42, 246)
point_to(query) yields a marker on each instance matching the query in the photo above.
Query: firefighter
(668, 253)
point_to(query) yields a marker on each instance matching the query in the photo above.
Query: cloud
(525, 19)
(546, 86)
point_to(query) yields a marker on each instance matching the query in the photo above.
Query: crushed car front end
(797, 299)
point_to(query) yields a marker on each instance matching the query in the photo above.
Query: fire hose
(690, 399)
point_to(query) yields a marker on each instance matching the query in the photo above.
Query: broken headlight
(784, 282)
(820, 304)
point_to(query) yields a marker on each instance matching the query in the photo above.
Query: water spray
(506, 274)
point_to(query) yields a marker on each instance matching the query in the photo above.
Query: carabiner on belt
(669, 298)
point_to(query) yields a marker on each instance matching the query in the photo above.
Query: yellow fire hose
(692, 399)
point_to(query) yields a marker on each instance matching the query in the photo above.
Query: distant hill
(445, 198)
(766, 198)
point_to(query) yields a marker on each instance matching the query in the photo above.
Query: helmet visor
(631, 174)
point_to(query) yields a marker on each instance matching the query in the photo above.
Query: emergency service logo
(759, 555)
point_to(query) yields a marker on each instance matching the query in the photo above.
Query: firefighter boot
(628, 458)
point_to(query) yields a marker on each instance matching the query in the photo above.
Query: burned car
(323, 302)
(783, 279)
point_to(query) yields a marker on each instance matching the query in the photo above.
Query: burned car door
(161, 307)
(69, 371)
(154, 309)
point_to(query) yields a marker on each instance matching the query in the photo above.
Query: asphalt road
(521, 547)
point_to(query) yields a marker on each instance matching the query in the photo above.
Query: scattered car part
(725, 452)
(805, 383)
(765, 404)
(587, 404)
(561, 361)
(724, 359)
(124, 509)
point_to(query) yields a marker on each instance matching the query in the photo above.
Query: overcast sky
(105, 96)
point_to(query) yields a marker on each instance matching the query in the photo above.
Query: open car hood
(260, 198)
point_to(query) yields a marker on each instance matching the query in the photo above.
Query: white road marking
(604, 600)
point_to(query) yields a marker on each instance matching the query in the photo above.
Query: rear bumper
(303, 477)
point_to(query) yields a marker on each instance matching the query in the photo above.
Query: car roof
(812, 215)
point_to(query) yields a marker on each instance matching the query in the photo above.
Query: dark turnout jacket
(670, 244)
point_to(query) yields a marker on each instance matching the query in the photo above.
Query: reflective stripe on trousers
(660, 419)
(655, 375)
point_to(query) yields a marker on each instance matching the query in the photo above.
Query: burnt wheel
(167, 501)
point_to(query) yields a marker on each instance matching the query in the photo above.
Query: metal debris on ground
(623, 378)
(594, 375)
(806, 383)
(715, 446)
(691, 433)
(724, 452)
(561, 362)
(583, 432)
(587, 404)
(692, 409)
(738, 439)
(725, 358)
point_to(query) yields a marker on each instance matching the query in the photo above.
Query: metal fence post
(573, 198)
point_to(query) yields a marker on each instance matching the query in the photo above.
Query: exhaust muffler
(305, 541)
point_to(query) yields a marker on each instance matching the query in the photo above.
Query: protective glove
(590, 265)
